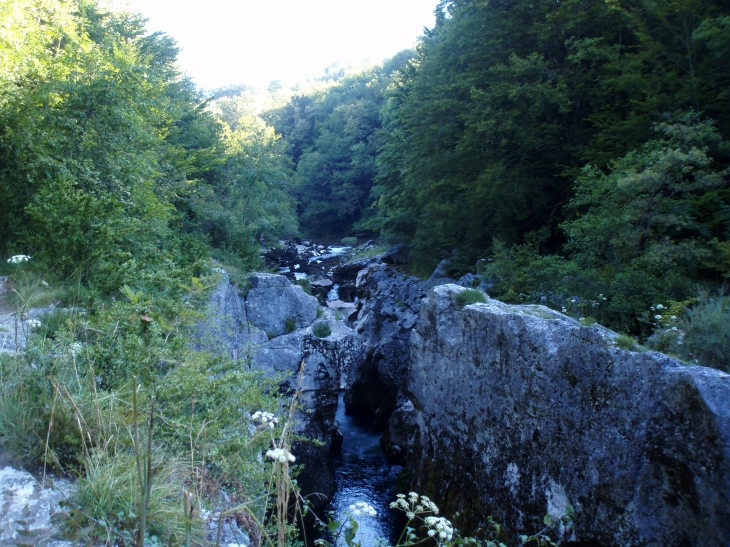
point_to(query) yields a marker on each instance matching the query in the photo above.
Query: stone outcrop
(329, 365)
(27, 508)
(226, 326)
(389, 307)
(272, 302)
(518, 411)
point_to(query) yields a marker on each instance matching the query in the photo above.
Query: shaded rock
(388, 309)
(398, 254)
(329, 366)
(272, 300)
(442, 270)
(521, 411)
(26, 509)
(226, 327)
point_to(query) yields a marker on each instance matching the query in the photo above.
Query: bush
(469, 296)
(352, 241)
(700, 335)
(322, 329)
(290, 324)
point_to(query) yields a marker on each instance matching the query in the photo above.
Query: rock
(226, 326)
(441, 270)
(272, 301)
(398, 254)
(389, 307)
(520, 411)
(26, 509)
(329, 366)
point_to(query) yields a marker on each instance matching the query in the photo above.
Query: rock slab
(26, 509)
(520, 411)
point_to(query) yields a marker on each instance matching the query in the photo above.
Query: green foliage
(290, 324)
(469, 296)
(696, 331)
(333, 136)
(626, 342)
(349, 241)
(322, 329)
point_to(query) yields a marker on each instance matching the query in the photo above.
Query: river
(363, 474)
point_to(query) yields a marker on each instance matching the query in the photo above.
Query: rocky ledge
(519, 411)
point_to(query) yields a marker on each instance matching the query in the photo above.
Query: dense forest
(577, 148)
(573, 154)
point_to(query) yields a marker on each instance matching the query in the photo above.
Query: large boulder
(521, 411)
(226, 328)
(27, 509)
(276, 306)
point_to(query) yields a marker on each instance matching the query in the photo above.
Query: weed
(290, 324)
(322, 329)
(306, 285)
(469, 296)
(626, 342)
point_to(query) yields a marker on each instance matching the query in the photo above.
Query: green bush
(290, 324)
(322, 329)
(469, 296)
(349, 241)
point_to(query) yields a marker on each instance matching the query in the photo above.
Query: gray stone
(26, 509)
(398, 254)
(272, 300)
(521, 411)
(226, 328)
(329, 365)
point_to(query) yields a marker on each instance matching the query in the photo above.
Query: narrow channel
(363, 474)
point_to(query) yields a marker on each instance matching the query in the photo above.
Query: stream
(363, 474)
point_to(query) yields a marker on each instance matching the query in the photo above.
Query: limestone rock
(26, 509)
(226, 327)
(390, 306)
(521, 411)
(329, 365)
(272, 300)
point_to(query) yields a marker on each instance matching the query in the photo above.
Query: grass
(469, 296)
(322, 329)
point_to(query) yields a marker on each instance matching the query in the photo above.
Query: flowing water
(364, 475)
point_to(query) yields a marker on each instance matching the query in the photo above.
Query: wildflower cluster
(17, 259)
(280, 455)
(440, 528)
(266, 419)
(414, 505)
(32, 323)
(362, 508)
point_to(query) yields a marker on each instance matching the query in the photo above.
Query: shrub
(290, 324)
(322, 329)
(349, 241)
(469, 296)
(624, 341)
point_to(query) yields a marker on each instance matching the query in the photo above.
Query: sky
(227, 42)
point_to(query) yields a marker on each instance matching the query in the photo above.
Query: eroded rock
(521, 411)
(275, 306)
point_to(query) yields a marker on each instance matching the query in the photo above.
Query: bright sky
(245, 41)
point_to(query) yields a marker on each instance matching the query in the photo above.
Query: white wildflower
(32, 323)
(280, 455)
(658, 317)
(75, 348)
(17, 259)
(267, 419)
(673, 317)
(659, 307)
(440, 526)
(363, 508)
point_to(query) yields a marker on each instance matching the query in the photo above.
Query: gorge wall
(518, 411)
(497, 410)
